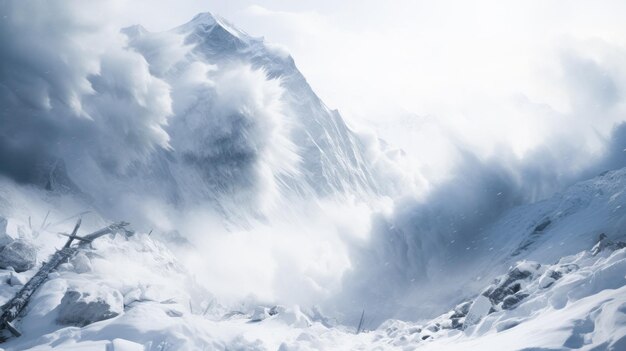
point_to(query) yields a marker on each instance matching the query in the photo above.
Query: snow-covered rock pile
(507, 291)
(564, 301)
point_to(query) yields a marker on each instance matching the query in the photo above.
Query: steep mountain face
(246, 129)
(332, 157)
(200, 114)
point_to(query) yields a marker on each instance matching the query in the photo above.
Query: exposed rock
(83, 308)
(511, 283)
(433, 327)
(532, 237)
(605, 243)
(512, 301)
(461, 309)
(542, 226)
(19, 254)
(456, 323)
(555, 273)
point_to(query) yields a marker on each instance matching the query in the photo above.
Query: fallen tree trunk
(16, 305)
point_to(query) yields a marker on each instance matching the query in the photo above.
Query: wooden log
(12, 309)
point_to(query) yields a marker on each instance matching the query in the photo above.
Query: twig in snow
(44, 220)
(358, 329)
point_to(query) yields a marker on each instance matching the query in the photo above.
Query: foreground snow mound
(134, 296)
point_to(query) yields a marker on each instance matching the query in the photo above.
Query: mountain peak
(203, 18)
(134, 31)
(206, 21)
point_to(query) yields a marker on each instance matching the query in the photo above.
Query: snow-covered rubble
(580, 301)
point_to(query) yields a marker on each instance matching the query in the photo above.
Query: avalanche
(260, 220)
(575, 301)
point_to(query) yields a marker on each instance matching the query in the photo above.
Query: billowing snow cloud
(144, 125)
(419, 255)
(110, 104)
(69, 83)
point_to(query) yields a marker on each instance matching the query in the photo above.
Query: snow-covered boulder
(555, 273)
(260, 313)
(479, 309)
(19, 254)
(80, 308)
(294, 317)
(81, 263)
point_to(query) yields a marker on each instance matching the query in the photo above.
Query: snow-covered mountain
(260, 220)
(246, 130)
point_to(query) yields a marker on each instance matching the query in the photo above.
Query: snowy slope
(564, 224)
(423, 259)
(557, 301)
(584, 308)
